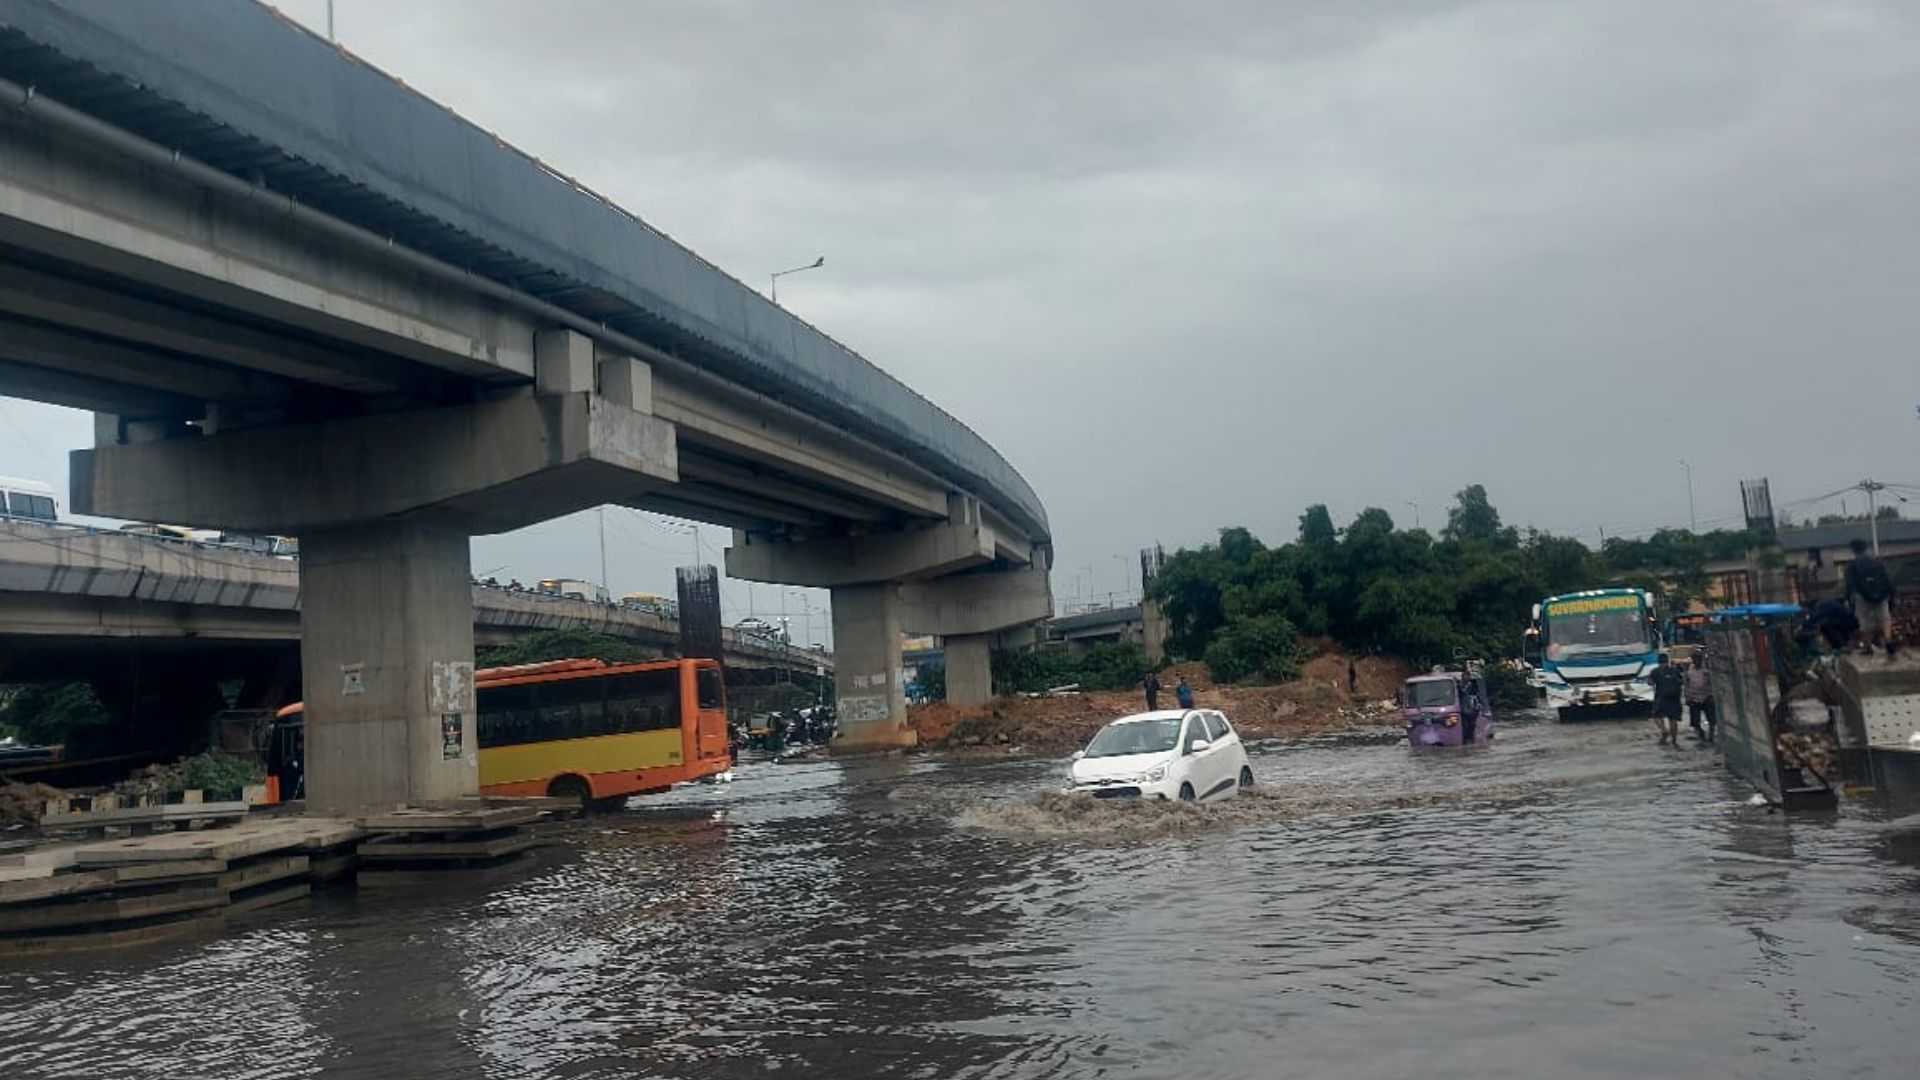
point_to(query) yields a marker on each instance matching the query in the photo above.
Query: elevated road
(75, 585)
(303, 299)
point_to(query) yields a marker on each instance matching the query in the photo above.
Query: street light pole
(773, 279)
(1416, 511)
(1693, 520)
(605, 585)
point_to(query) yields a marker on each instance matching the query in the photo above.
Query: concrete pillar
(386, 654)
(969, 669)
(871, 701)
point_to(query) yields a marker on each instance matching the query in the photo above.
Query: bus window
(709, 692)
(645, 700)
(506, 716)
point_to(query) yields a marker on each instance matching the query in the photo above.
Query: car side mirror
(1077, 755)
(1197, 745)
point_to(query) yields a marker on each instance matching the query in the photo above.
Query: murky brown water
(1565, 903)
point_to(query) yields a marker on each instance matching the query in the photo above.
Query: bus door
(710, 704)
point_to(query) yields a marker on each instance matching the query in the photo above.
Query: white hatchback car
(1186, 754)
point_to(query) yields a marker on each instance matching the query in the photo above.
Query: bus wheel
(1565, 715)
(573, 788)
(611, 805)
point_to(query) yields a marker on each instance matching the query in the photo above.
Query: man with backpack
(1870, 588)
(1668, 684)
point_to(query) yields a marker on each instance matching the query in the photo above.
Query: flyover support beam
(977, 603)
(870, 697)
(962, 542)
(487, 467)
(969, 669)
(386, 649)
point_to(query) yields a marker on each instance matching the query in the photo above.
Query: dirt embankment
(1044, 726)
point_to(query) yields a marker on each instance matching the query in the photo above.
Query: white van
(29, 499)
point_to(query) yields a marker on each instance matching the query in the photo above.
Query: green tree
(570, 644)
(51, 713)
(1473, 517)
(1263, 646)
(1316, 526)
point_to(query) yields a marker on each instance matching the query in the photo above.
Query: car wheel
(1246, 777)
(1186, 792)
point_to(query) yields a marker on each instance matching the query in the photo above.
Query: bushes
(1508, 688)
(548, 645)
(1259, 646)
(51, 712)
(1108, 666)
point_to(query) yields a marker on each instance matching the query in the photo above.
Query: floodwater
(1568, 902)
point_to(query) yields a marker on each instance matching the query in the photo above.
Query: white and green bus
(1596, 650)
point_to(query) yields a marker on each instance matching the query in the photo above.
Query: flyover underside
(370, 375)
(130, 290)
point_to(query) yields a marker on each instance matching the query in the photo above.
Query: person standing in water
(1668, 685)
(1699, 695)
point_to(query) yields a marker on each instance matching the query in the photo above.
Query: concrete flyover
(304, 299)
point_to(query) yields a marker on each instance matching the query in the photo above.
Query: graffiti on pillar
(450, 736)
(451, 689)
(351, 679)
(864, 709)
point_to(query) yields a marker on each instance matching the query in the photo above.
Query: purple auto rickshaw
(1446, 708)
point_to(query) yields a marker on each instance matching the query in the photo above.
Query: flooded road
(1569, 902)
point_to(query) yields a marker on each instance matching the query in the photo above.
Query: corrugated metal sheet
(236, 85)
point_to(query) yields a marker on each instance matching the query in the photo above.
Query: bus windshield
(1572, 633)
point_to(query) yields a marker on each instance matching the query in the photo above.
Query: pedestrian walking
(1668, 686)
(1183, 694)
(1151, 684)
(1870, 589)
(1699, 697)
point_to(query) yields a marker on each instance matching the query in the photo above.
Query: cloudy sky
(1202, 264)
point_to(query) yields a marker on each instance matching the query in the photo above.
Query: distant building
(1813, 562)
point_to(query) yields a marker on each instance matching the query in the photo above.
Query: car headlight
(1156, 774)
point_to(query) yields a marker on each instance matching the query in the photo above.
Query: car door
(1197, 766)
(1225, 762)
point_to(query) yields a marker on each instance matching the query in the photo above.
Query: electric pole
(1873, 511)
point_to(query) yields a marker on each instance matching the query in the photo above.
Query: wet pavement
(1568, 902)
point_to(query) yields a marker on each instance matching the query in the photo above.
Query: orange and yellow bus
(594, 731)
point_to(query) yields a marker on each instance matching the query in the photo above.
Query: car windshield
(1135, 737)
(1430, 693)
(1593, 630)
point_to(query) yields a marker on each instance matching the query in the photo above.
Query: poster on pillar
(452, 739)
(452, 687)
(450, 693)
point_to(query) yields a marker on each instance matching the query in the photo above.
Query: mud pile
(22, 804)
(1058, 725)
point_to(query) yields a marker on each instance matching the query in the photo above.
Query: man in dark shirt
(1832, 620)
(1668, 684)
(1151, 684)
(1870, 589)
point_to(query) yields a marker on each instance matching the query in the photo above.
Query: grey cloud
(1191, 265)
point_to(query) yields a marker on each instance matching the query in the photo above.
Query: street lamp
(1416, 511)
(773, 279)
(1693, 520)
